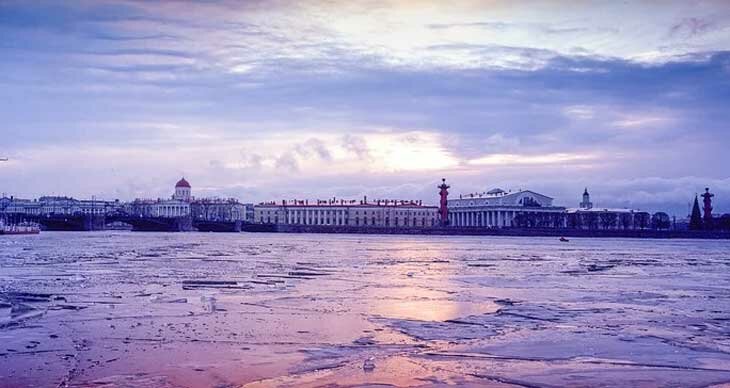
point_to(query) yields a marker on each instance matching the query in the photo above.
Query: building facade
(382, 214)
(54, 205)
(177, 206)
(213, 209)
(500, 209)
(588, 217)
(164, 208)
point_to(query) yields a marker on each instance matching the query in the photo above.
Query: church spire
(695, 220)
(586, 204)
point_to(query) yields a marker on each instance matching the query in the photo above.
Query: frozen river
(229, 310)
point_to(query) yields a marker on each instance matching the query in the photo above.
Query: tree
(591, 220)
(574, 221)
(558, 220)
(642, 220)
(660, 220)
(521, 220)
(625, 220)
(695, 220)
(608, 220)
(725, 221)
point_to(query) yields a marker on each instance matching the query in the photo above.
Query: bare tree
(608, 220)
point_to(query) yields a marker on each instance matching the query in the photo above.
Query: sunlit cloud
(580, 112)
(637, 121)
(516, 159)
(261, 99)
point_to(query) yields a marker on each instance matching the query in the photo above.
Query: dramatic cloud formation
(274, 99)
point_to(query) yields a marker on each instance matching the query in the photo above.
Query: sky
(271, 100)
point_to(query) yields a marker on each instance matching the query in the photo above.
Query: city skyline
(281, 100)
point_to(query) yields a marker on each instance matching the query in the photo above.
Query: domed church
(182, 191)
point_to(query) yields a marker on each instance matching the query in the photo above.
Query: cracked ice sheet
(310, 310)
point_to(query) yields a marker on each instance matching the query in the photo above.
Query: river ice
(195, 310)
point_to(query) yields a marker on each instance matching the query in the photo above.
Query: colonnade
(485, 218)
(317, 216)
(173, 211)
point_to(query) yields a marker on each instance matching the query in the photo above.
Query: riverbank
(515, 232)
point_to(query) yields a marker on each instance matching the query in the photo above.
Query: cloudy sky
(266, 100)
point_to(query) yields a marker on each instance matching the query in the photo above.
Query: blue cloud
(87, 75)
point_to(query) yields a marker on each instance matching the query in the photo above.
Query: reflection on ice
(198, 310)
(430, 309)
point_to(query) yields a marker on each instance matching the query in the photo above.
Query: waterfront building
(164, 208)
(97, 207)
(250, 212)
(499, 209)
(57, 205)
(14, 205)
(214, 209)
(586, 216)
(334, 212)
(177, 206)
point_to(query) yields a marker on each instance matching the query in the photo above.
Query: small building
(333, 212)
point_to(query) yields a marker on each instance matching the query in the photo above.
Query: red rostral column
(444, 210)
(707, 201)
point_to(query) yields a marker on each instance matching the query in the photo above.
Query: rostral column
(443, 209)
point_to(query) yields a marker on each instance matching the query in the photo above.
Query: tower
(695, 219)
(586, 204)
(707, 207)
(443, 208)
(182, 190)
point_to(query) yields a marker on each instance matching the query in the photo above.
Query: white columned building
(386, 214)
(499, 209)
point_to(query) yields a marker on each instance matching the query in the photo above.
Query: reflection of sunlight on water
(416, 279)
(430, 310)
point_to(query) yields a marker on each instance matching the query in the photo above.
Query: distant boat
(563, 239)
(24, 228)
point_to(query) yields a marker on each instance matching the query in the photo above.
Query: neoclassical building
(499, 209)
(386, 214)
(182, 191)
(177, 206)
(586, 216)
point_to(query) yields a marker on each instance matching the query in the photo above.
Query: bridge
(91, 222)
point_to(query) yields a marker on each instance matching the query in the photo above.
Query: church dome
(182, 183)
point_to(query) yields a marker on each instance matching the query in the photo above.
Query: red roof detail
(182, 183)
